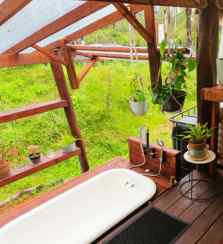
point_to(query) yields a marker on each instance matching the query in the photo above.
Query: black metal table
(189, 192)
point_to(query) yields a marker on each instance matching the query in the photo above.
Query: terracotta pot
(138, 108)
(4, 169)
(198, 151)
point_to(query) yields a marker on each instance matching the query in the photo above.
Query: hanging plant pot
(175, 101)
(138, 108)
(4, 169)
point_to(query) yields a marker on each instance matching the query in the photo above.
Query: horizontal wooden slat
(46, 161)
(31, 110)
(212, 94)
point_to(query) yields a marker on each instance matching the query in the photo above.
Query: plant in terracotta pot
(5, 168)
(34, 153)
(171, 93)
(197, 137)
(137, 102)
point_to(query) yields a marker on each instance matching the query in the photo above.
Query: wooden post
(206, 57)
(154, 54)
(69, 110)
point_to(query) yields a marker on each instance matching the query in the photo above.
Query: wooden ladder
(64, 102)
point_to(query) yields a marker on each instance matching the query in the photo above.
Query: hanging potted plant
(34, 153)
(5, 168)
(137, 102)
(171, 94)
(197, 137)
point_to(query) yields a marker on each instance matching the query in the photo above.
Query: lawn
(103, 115)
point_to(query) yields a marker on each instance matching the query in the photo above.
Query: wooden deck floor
(206, 218)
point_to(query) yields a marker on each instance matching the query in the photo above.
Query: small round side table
(191, 180)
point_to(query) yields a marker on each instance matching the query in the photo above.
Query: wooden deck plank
(215, 233)
(203, 223)
(183, 203)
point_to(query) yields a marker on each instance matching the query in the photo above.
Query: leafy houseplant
(171, 94)
(197, 137)
(34, 154)
(137, 101)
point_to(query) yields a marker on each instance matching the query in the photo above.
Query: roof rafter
(134, 22)
(173, 3)
(8, 8)
(101, 23)
(59, 24)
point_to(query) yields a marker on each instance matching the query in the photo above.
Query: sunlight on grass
(103, 114)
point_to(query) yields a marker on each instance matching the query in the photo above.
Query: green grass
(103, 115)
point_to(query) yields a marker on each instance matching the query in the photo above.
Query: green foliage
(105, 132)
(198, 134)
(138, 89)
(179, 67)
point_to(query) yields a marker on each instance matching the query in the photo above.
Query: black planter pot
(35, 159)
(175, 102)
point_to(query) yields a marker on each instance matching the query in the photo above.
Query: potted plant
(5, 168)
(69, 143)
(197, 137)
(137, 101)
(34, 153)
(171, 94)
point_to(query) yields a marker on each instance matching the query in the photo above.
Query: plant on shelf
(34, 153)
(69, 143)
(5, 168)
(171, 94)
(138, 103)
(197, 140)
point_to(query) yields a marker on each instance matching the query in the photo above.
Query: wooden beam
(58, 74)
(71, 71)
(51, 56)
(86, 69)
(23, 59)
(154, 53)
(31, 110)
(73, 16)
(122, 49)
(174, 3)
(134, 22)
(206, 57)
(8, 8)
(112, 55)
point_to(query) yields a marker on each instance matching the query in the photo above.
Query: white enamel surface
(34, 16)
(83, 213)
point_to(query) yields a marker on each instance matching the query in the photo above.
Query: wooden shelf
(46, 161)
(212, 94)
(31, 110)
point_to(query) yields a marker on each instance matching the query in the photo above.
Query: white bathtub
(82, 214)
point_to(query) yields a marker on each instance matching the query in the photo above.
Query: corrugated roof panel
(32, 18)
(76, 26)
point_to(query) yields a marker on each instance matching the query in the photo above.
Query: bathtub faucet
(161, 144)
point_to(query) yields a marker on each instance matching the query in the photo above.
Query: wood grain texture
(31, 110)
